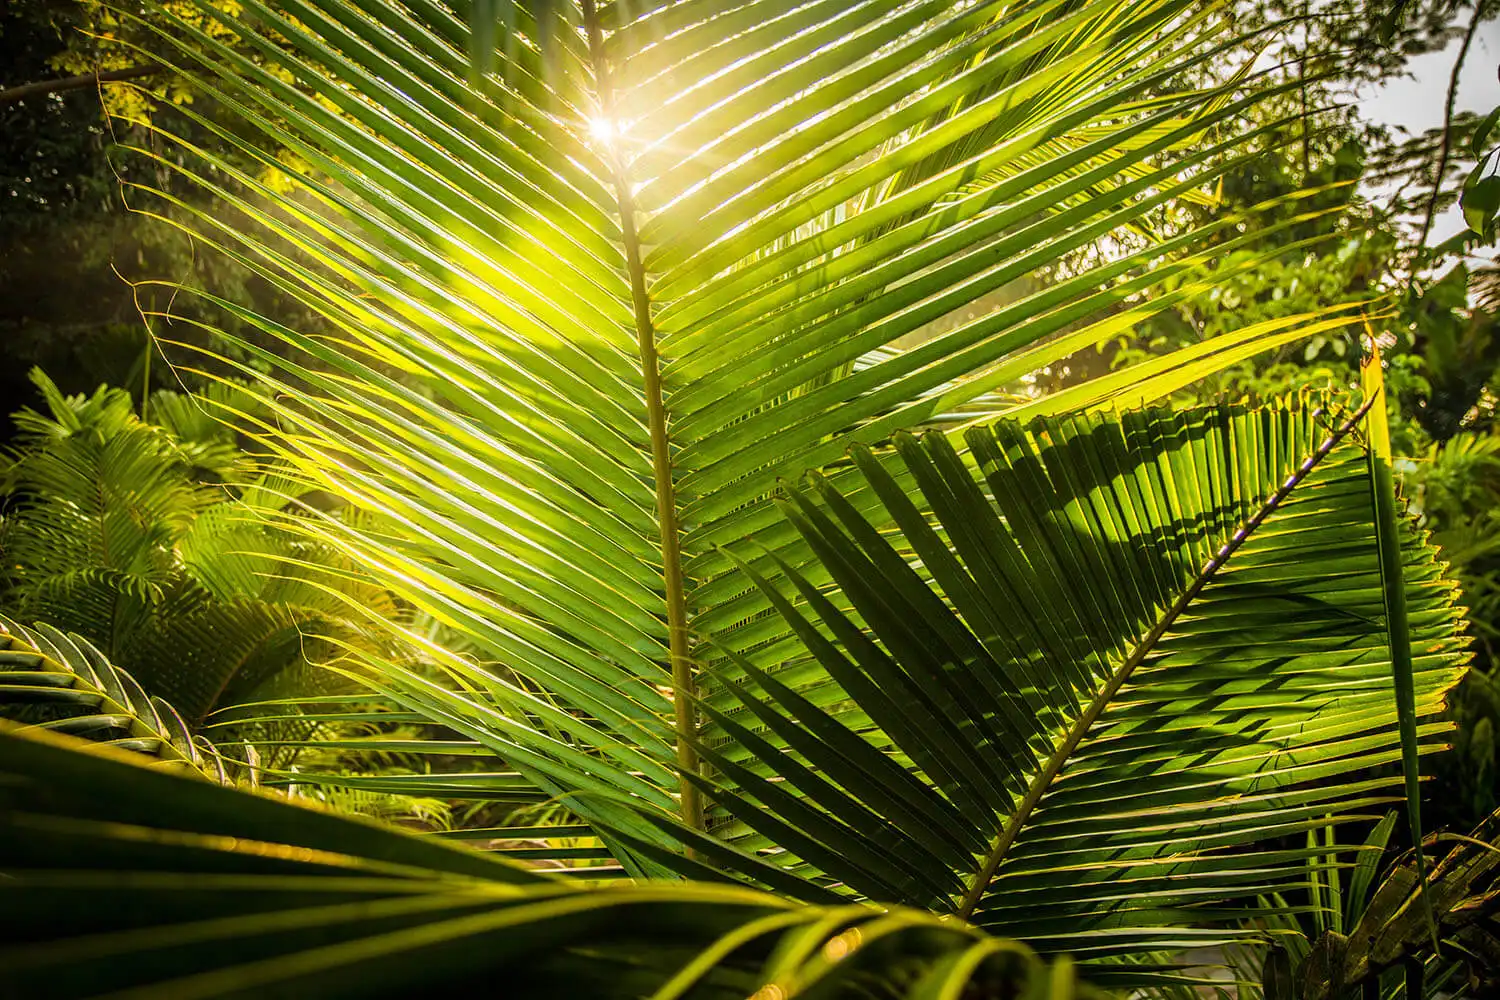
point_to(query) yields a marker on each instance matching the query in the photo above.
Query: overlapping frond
(1088, 690)
(583, 305)
(226, 893)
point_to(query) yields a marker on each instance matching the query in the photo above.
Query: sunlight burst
(607, 130)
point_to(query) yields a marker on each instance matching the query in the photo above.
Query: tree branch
(11, 95)
(1447, 142)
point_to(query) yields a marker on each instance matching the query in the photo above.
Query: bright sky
(1415, 102)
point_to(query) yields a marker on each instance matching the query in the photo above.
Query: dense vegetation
(886, 499)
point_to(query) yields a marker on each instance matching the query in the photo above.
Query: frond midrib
(1070, 742)
(674, 583)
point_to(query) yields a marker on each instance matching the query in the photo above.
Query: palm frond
(581, 314)
(61, 683)
(579, 320)
(205, 883)
(1080, 697)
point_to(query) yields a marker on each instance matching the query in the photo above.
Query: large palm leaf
(131, 882)
(582, 315)
(1083, 696)
(583, 312)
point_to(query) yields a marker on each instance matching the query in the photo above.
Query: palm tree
(593, 299)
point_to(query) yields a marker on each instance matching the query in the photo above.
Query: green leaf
(1481, 137)
(1135, 653)
(1393, 596)
(1362, 881)
(1480, 201)
(227, 893)
(590, 279)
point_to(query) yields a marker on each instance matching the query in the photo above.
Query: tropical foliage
(592, 396)
(594, 287)
(936, 727)
(1373, 930)
(374, 912)
(1444, 380)
(155, 541)
(1180, 639)
(63, 684)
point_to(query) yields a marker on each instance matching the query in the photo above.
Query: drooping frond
(221, 892)
(62, 684)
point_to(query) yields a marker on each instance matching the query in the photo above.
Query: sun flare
(607, 130)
